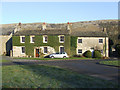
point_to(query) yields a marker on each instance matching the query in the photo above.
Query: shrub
(76, 55)
(97, 54)
(118, 48)
(88, 54)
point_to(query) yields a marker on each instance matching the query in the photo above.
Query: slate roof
(62, 32)
(6, 31)
(42, 32)
(89, 33)
(76, 31)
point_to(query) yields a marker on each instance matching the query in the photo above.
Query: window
(23, 50)
(45, 39)
(101, 51)
(61, 49)
(22, 39)
(45, 50)
(79, 51)
(61, 39)
(32, 39)
(79, 40)
(100, 40)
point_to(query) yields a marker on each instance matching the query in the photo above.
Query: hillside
(98, 25)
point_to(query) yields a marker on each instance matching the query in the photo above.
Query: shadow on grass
(66, 78)
(63, 76)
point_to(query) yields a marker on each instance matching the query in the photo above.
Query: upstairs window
(100, 40)
(79, 40)
(61, 39)
(22, 39)
(32, 39)
(23, 50)
(45, 39)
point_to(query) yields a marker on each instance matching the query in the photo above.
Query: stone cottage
(50, 38)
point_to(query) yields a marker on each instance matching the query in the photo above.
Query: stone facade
(6, 44)
(92, 43)
(17, 51)
(50, 50)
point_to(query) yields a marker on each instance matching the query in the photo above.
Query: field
(43, 76)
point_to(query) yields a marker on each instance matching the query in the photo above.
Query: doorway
(37, 53)
(61, 49)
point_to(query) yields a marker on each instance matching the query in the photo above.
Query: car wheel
(64, 56)
(52, 57)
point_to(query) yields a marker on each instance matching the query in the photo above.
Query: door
(37, 52)
(61, 49)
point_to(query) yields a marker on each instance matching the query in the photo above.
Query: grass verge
(42, 76)
(4, 61)
(114, 63)
(73, 58)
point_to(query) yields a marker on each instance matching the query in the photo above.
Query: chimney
(68, 26)
(44, 26)
(18, 27)
(19, 24)
(104, 30)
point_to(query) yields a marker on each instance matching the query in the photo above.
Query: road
(88, 67)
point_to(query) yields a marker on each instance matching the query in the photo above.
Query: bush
(76, 55)
(97, 54)
(88, 54)
(118, 48)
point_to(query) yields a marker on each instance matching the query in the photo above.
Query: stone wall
(17, 52)
(88, 43)
(41, 50)
(6, 44)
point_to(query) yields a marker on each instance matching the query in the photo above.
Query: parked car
(59, 55)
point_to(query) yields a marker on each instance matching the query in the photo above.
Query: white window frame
(43, 50)
(78, 40)
(102, 41)
(21, 39)
(78, 49)
(21, 50)
(60, 37)
(44, 39)
(60, 47)
(31, 41)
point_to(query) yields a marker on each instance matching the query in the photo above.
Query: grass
(114, 63)
(42, 76)
(4, 61)
(72, 58)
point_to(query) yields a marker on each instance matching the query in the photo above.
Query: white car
(59, 55)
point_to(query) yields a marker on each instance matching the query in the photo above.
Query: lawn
(114, 63)
(3, 61)
(72, 58)
(42, 76)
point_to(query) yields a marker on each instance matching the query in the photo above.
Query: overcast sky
(57, 12)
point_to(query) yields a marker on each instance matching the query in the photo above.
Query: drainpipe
(105, 46)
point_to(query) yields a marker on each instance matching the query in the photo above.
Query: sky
(57, 12)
